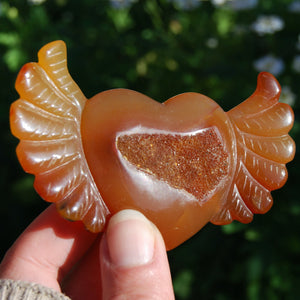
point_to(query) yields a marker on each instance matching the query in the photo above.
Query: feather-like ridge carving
(33, 122)
(278, 148)
(58, 71)
(274, 121)
(44, 155)
(270, 174)
(47, 119)
(38, 89)
(263, 146)
(256, 196)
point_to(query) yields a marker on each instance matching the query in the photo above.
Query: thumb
(133, 259)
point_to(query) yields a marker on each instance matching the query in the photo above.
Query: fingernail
(130, 239)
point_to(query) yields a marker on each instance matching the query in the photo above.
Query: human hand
(128, 261)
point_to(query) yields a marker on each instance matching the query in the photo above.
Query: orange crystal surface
(192, 162)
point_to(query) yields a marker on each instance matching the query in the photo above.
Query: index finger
(46, 251)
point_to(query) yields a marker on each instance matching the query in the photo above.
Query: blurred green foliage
(162, 48)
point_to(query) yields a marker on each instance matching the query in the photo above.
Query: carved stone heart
(172, 161)
(182, 163)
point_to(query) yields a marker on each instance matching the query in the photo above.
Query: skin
(128, 261)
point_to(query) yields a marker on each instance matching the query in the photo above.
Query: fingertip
(133, 258)
(130, 239)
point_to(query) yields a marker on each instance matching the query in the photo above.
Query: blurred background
(162, 48)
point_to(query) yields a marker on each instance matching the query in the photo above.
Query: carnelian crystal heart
(182, 163)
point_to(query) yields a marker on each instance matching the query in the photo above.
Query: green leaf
(14, 58)
(9, 39)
